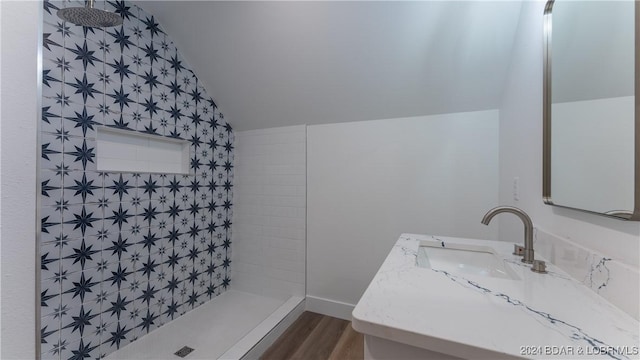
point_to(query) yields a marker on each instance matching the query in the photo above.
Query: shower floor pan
(234, 325)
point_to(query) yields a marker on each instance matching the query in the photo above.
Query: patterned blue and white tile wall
(124, 253)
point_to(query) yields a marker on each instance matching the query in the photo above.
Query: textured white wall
(370, 181)
(19, 116)
(269, 212)
(521, 156)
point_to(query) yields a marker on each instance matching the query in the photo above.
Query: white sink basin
(463, 259)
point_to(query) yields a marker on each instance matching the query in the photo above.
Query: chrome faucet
(527, 252)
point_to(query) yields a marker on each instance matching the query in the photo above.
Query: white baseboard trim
(329, 307)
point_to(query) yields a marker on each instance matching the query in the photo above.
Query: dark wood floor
(317, 337)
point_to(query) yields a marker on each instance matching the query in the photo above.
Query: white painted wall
(269, 212)
(19, 116)
(521, 156)
(593, 153)
(370, 181)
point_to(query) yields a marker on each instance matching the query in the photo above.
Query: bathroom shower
(89, 16)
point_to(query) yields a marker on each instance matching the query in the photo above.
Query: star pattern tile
(124, 253)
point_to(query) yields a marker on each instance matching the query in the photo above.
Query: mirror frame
(546, 117)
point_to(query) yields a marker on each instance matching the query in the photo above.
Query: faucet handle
(539, 266)
(518, 250)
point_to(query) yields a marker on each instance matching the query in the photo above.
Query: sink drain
(184, 351)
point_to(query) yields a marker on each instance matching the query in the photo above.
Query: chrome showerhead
(89, 16)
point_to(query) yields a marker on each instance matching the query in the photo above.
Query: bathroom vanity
(446, 298)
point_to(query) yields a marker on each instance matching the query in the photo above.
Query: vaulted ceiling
(271, 64)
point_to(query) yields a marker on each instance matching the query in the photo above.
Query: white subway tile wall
(269, 239)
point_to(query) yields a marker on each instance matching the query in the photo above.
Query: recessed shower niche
(128, 151)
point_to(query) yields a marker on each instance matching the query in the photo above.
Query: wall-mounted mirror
(591, 112)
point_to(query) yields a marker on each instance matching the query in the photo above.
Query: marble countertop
(540, 316)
